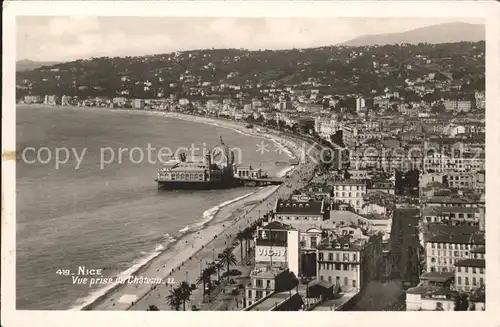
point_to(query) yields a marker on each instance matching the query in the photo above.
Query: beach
(175, 250)
(186, 260)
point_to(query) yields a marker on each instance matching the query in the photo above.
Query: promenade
(186, 260)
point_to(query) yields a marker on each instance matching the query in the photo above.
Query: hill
(442, 33)
(332, 70)
(24, 65)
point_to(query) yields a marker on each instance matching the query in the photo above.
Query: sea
(86, 199)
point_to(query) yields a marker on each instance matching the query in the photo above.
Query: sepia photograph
(199, 162)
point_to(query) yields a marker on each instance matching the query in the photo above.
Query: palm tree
(185, 291)
(153, 307)
(205, 278)
(228, 258)
(241, 236)
(219, 265)
(174, 299)
(249, 237)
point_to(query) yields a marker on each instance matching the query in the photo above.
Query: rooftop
(271, 301)
(276, 225)
(350, 182)
(428, 211)
(480, 249)
(437, 276)
(450, 199)
(432, 291)
(443, 233)
(475, 263)
(299, 207)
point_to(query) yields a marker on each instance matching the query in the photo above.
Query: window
(259, 295)
(481, 281)
(337, 256)
(330, 256)
(481, 270)
(337, 266)
(321, 277)
(474, 281)
(459, 280)
(346, 281)
(268, 283)
(321, 256)
(466, 269)
(473, 270)
(459, 269)
(354, 257)
(329, 279)
(354, 283)
(466, 280)
(258, 282)
(313, 242)
(346, 267)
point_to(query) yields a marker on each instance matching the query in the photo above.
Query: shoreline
(95, 300)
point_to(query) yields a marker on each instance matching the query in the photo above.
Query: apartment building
(470, 272)
(452, 215)
(446, 244)
(350, 192)
(460, 180)
(265, 280)
(348, 262)
(433, 293)
(301, 211)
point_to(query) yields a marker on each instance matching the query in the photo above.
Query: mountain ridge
(440, 33)
(26, 64)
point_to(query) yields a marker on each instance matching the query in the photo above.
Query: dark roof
(476, 263)
(298, 207)
(442, 210)
(443, 233)
(437, 276)
(432, 290)
(479, 295)
(276, 225)
(450, 199)
(480, 249)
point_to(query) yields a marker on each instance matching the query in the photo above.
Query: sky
(66, 38)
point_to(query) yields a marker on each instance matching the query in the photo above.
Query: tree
(461, 302)
(205, 278)
(438, 108)
(185, 292)
(248, 233)
(174, 299)
(228, 258)
(153, 308)
(240, 236)
(218, 265)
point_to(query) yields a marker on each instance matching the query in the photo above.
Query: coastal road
(187, 259)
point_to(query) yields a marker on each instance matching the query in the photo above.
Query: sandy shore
(188, 256)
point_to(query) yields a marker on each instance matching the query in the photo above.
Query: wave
(285, 171)
(136, 266)
(208, 215)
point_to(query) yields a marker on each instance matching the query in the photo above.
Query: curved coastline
(209, 216)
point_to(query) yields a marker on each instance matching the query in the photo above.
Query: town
(394, 221)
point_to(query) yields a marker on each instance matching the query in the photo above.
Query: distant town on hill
(339, 70)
